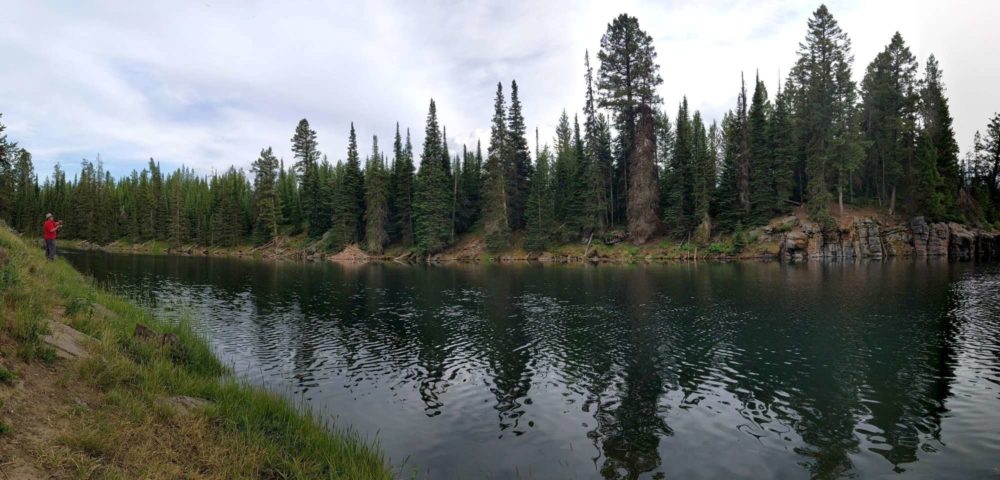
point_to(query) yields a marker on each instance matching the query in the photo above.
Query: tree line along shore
(621, 170)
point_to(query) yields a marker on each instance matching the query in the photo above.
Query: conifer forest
(621, 163)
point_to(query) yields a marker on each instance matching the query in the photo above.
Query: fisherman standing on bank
(50, 231)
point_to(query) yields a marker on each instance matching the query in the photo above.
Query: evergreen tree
(470, 187)
(928, 189)
(402, 196)
(782, 149)
(565, 168)
(702, 172)
(541, 206)
(496, 214)
(177, 221)
(763, 198)
(348, 204)
(938, 122)
(678, 198)
(627, 78)
(743, 154)
(890, 97)
(267, 201)
(821, 80)
(7, 153)
(643, 194)
(376, 201)
(595, 191)
(431, 205)
(25, 215)
(305, 149)
(519, 164)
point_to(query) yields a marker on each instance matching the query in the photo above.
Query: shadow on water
(684, 371)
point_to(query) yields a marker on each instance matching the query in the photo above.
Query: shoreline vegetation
(858, 234)
(85, 393)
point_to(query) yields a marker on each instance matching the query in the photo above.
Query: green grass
(247, 432)
(6, 376)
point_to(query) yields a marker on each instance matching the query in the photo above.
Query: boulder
(67, 342)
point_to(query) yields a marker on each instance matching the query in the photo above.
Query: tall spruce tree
(348, 204)
(938, 122)
(402, 196)
(267, 201)
(678, 199)
(519, 165)
(496, 213)
(762, 194)
(376, 201)
(541, 206)
(820, 79)
(595, 191)
(431, 199)
(564, 170)
(305, 149)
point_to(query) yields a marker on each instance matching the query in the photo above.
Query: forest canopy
(623, 165)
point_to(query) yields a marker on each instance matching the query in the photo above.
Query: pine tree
(305, 149)
(402, 196)
(470, 186)
(938, 122)
(496, 212)
(596, 172)
(431, 200)
(348, 205)
(702, 172)
(541, 206)
(376, 201)
(25, 217)
(519, 163)
(678, 197)
(743, 154)
(177, 221)
(267, 201)
(8, 150)
(762, 194)
(782, 137)
(643, 192)
(821, 80)
(627, 79)
(928, 193)
(565, 168)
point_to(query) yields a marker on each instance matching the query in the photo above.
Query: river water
(746, 370)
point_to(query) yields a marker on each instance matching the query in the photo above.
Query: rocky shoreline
(874, 238)
(794, 238)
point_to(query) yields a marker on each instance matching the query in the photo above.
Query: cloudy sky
(207, 84)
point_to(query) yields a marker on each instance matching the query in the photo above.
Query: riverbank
(857, 234)
(84, 393)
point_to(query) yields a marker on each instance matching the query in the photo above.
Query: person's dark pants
(50, 248)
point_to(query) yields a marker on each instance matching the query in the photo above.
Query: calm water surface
(763, 370)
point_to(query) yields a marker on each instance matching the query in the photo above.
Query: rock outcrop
(875, 238)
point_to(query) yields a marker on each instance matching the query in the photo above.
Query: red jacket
(50, 229)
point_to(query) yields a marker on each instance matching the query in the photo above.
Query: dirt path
(39, 406)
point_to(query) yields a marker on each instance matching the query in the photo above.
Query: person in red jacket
(50, 231)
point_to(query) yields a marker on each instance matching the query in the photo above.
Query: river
(761, 370)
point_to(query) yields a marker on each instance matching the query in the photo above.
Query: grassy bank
(132, 408)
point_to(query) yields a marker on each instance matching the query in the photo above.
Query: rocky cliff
(876, 237)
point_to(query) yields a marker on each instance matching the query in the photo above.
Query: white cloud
(209, 84)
